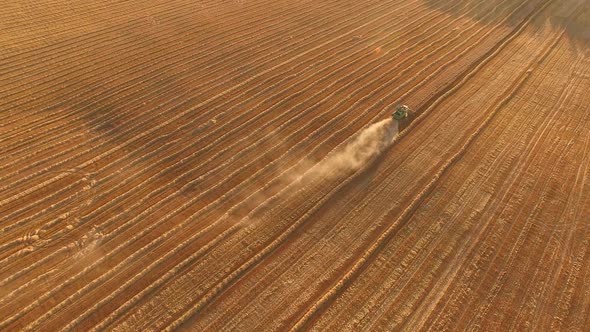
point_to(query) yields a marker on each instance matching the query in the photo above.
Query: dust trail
(363, 148)
(347, 158)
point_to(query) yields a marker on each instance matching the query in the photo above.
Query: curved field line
(26, 142)
(522, 162)
(205, 52)
(158, 70)
(393, 227)
(177, 116)
(235, 56)
(125, 42)
(19, 55)
(129, 87)
(257, 49)
(5, 231)
(344, 204)
(384, 171)
(388, 287)
(208, 161)
(439, 240)
(220, 128)
(565, 297)
(539, 294)
(246, 82)
(500, 280)
(10, 61)
(87, 37)
(213, 292)
(514, 177)
(361, 263)
(28, 139)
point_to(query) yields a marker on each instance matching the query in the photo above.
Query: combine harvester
(401, 117)
(401, 112)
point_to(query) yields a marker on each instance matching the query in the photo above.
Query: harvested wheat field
(233, 165)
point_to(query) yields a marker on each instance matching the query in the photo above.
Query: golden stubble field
(232, 165)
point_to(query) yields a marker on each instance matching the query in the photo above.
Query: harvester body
(401, 112)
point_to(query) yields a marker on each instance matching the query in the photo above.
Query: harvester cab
(401, 112)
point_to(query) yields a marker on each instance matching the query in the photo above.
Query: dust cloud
(358, 152)
(364, 147)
